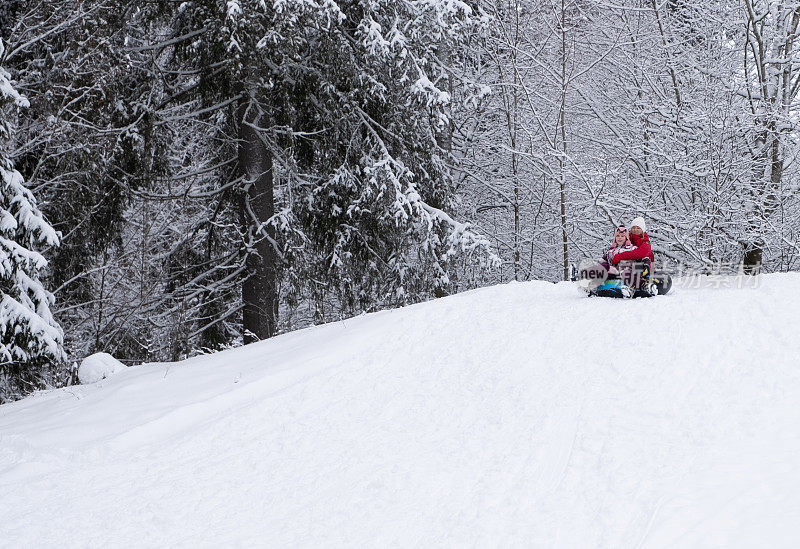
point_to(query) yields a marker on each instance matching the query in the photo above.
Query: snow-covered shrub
(98, 366)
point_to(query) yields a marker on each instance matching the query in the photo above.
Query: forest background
(224, 171)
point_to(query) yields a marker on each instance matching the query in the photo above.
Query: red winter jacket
(642, 243)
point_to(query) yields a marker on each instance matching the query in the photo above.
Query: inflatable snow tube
(614, 288)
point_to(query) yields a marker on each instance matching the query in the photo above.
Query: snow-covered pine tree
(329, 122)
(29, 336)
(89, 138)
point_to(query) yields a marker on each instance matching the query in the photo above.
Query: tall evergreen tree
(330, 124)
(29, 336)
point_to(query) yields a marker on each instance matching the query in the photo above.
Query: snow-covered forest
(183, 177)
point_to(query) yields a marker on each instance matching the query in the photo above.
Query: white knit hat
(638, 222)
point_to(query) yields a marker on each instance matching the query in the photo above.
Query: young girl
(620, 244)
(595, 274)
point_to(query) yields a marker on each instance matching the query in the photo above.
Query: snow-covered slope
(523, 414)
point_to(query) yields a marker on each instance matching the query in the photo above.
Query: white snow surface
(98, 366)
(516, 415)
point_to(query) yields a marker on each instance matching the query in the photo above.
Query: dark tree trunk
(754, 253)
(753, 256)
(259, 288)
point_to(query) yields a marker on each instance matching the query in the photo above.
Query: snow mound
(523, 415)
(98, 366)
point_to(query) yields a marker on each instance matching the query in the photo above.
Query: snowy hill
(523, 414)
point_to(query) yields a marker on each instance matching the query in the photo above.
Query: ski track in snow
(517, 415)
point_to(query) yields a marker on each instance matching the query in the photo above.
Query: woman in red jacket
(643, 253)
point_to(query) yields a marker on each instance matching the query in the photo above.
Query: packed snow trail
(523, 414)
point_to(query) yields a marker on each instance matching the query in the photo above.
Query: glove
(613, 271)
(615, 259)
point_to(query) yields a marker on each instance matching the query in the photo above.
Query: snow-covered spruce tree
(88, 140)
(30, 339)
(334, 115)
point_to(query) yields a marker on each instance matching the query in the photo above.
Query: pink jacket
(614, 250)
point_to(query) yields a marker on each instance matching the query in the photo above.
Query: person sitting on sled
(622, 245)
(596, 274)
(637, 262)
